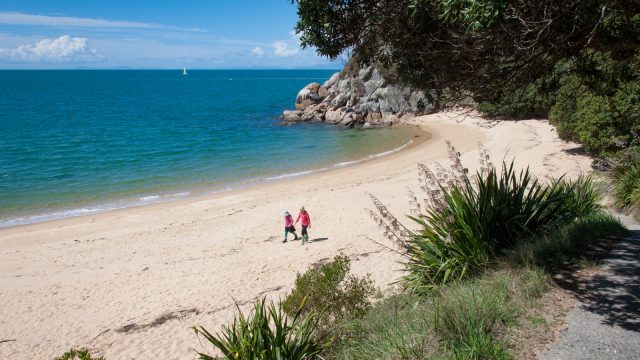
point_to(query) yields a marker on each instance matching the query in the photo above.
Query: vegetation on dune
(505, 228)
(265, 333)
(330, 290)
(469, 320)
(468, 222)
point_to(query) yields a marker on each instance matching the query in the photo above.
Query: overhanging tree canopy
(469, 45)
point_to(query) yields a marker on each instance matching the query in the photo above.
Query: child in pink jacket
(288, 226)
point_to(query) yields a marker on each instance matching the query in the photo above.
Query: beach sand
(130, 283)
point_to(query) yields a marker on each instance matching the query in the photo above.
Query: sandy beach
(130, 283)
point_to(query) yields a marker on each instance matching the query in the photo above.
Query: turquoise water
(77, 142)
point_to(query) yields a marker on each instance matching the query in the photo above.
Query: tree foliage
(517, 58)
(475, 45)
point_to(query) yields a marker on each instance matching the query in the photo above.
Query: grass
(467, 320)
(626, 187)
(569, 243)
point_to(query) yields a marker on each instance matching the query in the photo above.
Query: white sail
(184, 71)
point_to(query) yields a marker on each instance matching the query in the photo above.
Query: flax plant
(463, 222)
(266, 333)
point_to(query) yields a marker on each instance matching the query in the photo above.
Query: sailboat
(184, 71)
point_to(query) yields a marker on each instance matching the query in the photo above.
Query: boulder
(314, 86)
(333, 116)
(308, 96)
(291, 115)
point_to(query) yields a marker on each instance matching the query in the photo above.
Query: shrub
(598, 102)
(266, 333)
(331, 290)
(469, 221)
(535, 100)
(80, 354)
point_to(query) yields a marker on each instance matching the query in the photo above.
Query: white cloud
(64, 49)
(257, 51)
(281, 48)
(8, 18)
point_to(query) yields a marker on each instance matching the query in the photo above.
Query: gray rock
(365, 74)
(332, 80)
(344, 85)
(363, 97)
(375, 82)
(307, 97)
(291, 115)
(341, 99)
(333, 116)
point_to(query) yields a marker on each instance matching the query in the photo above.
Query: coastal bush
(79, 354)
(598, 102)
(266, 333)
(330, 290)
(515, 101)
(469, 221)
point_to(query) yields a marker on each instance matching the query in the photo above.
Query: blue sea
(80, 142)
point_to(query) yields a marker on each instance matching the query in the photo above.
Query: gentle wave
(56, 215)
(63, 214)
(295, 174)
(341, 164)
(153, 199)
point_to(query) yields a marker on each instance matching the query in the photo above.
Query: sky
(166, 34)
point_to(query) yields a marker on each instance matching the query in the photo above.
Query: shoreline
(59, 214)
(115, 274)
(421, 137)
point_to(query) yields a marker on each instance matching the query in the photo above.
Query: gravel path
(606, 322)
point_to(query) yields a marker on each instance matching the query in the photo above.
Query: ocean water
(79, 142)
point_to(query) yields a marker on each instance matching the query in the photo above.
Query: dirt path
(606, 322)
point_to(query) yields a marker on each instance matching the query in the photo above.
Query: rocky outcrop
(363, 98)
